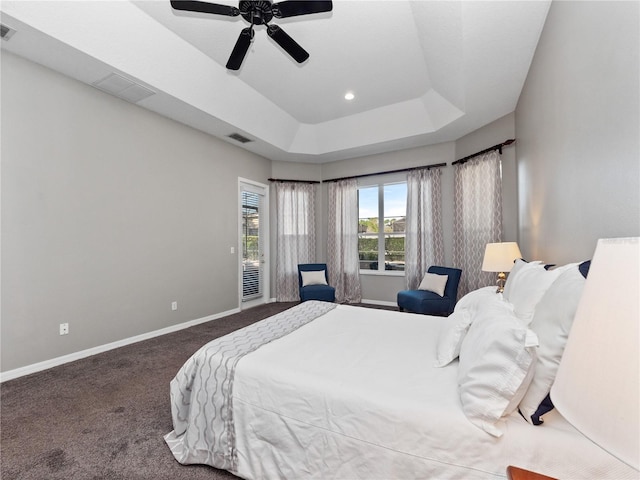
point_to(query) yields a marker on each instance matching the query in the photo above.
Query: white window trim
(380, 181)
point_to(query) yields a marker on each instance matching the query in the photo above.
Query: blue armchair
(430, 303)
(325, 293)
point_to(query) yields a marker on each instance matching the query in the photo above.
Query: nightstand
(515, 473)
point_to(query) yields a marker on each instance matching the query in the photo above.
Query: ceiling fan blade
(289, 45)
(205, 7)
(240, 49)
(294, 8)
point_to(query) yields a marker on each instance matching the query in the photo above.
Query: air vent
(6, 32)
(239, 138)
(123, 88)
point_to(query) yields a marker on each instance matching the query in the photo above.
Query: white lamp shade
(598, 381)
(499, 257)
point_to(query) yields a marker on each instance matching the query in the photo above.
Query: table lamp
(598, 381)
(499, 257)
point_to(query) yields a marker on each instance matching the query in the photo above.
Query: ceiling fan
(258, 13)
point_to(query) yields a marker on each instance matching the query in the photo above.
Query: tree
(368, 225)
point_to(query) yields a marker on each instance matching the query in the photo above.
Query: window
(382, 213)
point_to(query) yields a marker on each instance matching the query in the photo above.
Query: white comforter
(202, 391)
(354, 394)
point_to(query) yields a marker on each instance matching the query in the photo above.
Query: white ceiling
(422, 72)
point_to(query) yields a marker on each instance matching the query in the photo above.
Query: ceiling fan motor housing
(256, 12)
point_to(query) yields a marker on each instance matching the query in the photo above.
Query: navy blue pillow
(545, 406)
(584, 268)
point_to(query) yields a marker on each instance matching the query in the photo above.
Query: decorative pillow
(473, 299)
(451, 336)
(497, 361)
(313, 277)
(584, 268)
(432, 282)
(456, 327)
(552, 322)
(512, 278)
(528, 288)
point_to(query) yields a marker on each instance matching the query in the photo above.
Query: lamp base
(502, 278)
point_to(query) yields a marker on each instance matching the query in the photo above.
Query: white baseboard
(54, 362)
(380, 302)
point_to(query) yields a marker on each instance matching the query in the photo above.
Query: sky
(395, 201)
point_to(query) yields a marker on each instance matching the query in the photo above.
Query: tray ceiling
(422, 72)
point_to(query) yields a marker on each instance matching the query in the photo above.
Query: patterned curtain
(477, 217)
(296, 235)
(424, 244)
(342, 254)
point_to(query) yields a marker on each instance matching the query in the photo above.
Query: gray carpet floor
(104, 417)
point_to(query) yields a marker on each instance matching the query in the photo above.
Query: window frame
(380, 181)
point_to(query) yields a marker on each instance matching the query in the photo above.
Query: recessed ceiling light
(349, 96)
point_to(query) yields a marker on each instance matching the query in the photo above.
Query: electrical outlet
(233, 249)
(64, 329)
(174, 305)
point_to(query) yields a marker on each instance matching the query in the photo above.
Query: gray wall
(109, 213)
(578, 132)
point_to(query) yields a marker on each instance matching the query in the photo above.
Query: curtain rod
(293, 181)
(490, 149)
(437, 165)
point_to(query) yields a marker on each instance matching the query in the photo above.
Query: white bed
(354, 393)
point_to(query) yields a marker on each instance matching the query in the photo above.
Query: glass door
(253, 241)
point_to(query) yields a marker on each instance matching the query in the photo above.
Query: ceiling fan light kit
(259, 12)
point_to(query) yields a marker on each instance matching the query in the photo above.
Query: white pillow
(530, 285)
(451, 336)
(473, 299)
(512, 279)
(497, 361)
(455, 328)
(432, 282)
(313, 277)
(552, 322)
